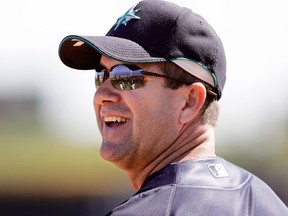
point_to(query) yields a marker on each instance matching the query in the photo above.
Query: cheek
(154, 132)
(156, 118)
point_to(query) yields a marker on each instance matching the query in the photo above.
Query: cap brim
(84, 52)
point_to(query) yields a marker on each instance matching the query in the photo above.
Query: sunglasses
(125, 77)
(129, 77)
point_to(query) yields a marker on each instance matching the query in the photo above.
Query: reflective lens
(128, 77)
(121, 77)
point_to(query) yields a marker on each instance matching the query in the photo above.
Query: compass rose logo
(125, 18)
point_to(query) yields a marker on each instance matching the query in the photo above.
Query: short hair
(210, 109)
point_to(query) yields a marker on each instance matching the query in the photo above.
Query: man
(160, 71)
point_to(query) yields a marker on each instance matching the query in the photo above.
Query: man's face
(138, 125)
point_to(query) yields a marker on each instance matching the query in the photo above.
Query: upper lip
(106, 115)
(114, 118)
(111, 115)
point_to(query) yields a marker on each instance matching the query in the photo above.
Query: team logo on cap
(125, 18)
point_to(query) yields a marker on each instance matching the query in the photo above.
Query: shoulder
(222, 187)
(212, 173)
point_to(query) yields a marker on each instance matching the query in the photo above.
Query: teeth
(115, 119)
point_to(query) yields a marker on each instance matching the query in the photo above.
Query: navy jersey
(209, 186)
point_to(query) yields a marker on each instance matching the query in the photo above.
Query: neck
(194, 141)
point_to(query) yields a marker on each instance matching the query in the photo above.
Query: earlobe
(195, 99)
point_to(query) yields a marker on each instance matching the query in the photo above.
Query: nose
(106, 93)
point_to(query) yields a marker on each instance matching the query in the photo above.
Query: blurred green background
(49, 141)
(38, 168)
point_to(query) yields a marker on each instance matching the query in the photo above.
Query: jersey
(208, 186)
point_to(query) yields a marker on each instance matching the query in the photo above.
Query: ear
(195, 98)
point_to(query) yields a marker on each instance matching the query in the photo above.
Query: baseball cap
(154, 31)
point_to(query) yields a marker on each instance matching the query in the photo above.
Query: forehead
(153, 67)
(108, 63)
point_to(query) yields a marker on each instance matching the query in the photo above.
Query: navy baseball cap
(154, 31)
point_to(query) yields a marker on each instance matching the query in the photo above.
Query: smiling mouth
(114, 121)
